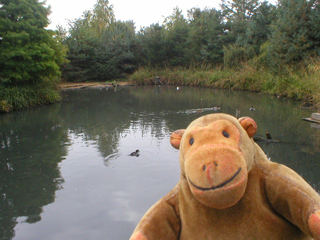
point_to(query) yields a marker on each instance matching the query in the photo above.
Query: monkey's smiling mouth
(218, 186)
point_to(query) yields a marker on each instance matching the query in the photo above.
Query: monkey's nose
(210, 170)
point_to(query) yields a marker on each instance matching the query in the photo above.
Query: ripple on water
(111, 158)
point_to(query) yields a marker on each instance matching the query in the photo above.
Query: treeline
(241, 31)
(277, 39)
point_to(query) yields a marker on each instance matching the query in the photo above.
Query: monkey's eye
(225, 134)
(191, 141)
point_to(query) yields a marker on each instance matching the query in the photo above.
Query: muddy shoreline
(74, 85)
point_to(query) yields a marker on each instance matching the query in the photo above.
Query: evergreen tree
(28, 53)
(237, 14)
(295, 33)
(206, 31)
(259, 28)
(100, 48)
(152, 42)
(177, 32)
(315, 27)
(115, 55)
(242, 28)
(81, 43)
(30, 56)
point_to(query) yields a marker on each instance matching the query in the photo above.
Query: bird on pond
(136, 153)
(268, 135)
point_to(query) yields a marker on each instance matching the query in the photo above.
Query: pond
(66, 172)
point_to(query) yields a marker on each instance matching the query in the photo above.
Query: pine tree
(238, 13)
(295, 33)
(206, 31)
(100, 48)
(176, 36)
(152, 42)
(259, 28)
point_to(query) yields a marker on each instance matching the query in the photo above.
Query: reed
(17, 98)
(297, 83)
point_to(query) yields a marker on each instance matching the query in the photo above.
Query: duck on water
(136, 153)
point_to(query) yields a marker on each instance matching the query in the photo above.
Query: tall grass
(17, 98)
(297, 83)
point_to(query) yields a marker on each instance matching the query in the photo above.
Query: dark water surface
(65, 171)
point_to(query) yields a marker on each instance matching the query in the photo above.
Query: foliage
(100, 48)
(206, 32)
(176, 39)
(244, 36)
(30, 55)
(242, 31)
(300, 85)
(248, 25)
(259, 28)
(235, 55)
(152, 45)
(295, 32)
(21, 97)
(238, 14)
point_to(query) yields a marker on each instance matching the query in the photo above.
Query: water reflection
(31, 148)
(65, 168)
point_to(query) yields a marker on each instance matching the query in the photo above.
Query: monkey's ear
(175, 138)
(249, 125)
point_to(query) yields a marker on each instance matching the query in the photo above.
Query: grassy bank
(17, 98)
(300, 85)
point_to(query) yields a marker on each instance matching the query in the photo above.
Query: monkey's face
(213, 163)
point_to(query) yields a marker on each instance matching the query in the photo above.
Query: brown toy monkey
(228, 189)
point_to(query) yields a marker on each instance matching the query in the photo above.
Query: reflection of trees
(300, 143)
(159, 110)
(98, 116)
(32, 144)
(106, 116)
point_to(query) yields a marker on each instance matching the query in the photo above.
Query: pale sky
(142, 12)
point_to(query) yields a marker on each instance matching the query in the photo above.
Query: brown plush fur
(228, 189)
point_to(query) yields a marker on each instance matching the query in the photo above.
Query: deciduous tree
(29, 53)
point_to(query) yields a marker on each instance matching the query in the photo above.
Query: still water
(66, 174)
